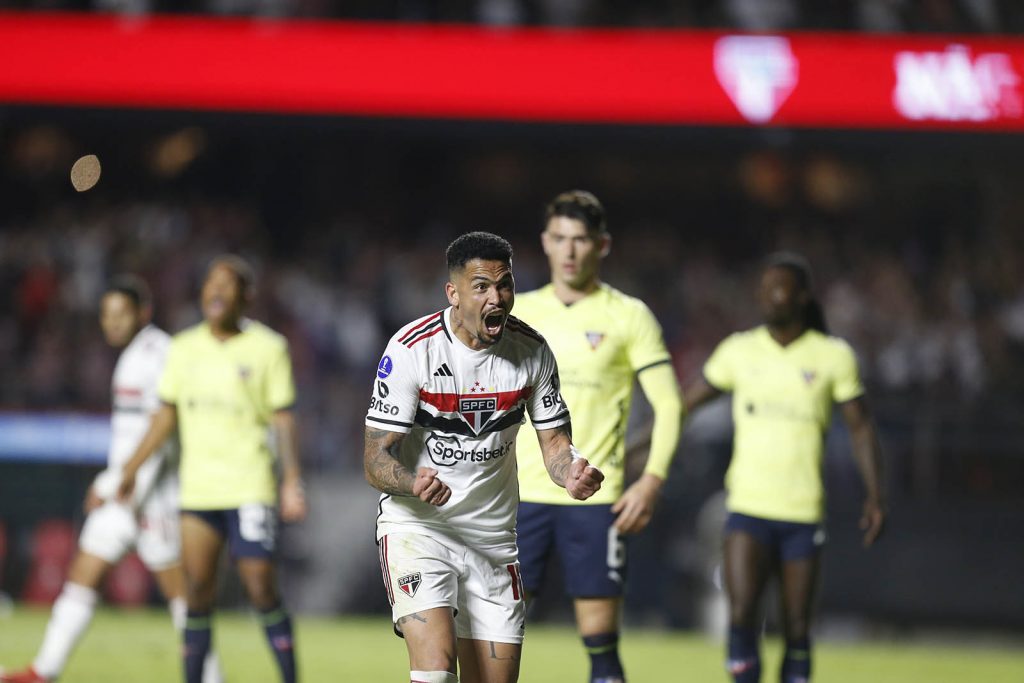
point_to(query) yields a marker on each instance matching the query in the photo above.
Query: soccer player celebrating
(149, 520)
(784, 376)
(451, 392)
(603, 340)
(228, 381)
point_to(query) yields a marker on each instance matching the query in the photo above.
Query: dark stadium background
(917, 239)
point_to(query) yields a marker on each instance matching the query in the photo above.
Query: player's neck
(226, 330)
(569, 295)
(786, 333)
(464, 335)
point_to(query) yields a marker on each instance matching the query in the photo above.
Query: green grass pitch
(131, 646)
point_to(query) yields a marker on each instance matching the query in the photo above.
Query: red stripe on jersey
(449, 403)
(423, 323)
(127, 391)
(417, 340)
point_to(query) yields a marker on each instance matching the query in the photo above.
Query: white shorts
(113, 529)
(482, 584)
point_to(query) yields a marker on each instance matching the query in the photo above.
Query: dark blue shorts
(592, 554)
(790, 540)
(250, 530)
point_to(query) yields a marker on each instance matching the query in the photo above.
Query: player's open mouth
(494, 322)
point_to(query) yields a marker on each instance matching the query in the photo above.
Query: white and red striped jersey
(461, 410)
(135, 399)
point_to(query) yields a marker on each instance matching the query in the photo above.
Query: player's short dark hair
(579, 205)
(131, 286)
(243, 271)
(477, 245)
(814, 313)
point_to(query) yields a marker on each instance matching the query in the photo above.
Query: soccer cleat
(29, 675)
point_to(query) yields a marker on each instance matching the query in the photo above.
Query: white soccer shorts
(482, 584)
(113, 529)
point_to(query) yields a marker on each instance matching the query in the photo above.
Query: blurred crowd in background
(943, 16)
(917, 251)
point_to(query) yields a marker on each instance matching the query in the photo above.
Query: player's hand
(636, 506)
(872, 521)
(127, 485)
(293, 501)
(428, 488)
(92, 500)
(584, 479)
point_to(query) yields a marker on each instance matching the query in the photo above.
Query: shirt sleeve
(662, 391)
(546, 407)
(846, 385)
(280, 385)
(396, 390)
(719, 370)
(170, 378)
(647, 345)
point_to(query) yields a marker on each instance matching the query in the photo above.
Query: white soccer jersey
(461, 410)
(135, 399)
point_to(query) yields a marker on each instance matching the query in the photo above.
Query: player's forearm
(382, 469)
(161, 426)
(867, 453)
(556, 448)
(662, 391)
(287, 445)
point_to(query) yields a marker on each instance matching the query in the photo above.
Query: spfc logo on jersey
(595, 339)
(476, 411)
(410, 583)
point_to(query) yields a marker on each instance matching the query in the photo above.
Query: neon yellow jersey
(782, 398)
(226, 393)
(600, 342)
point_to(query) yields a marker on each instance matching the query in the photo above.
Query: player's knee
(200, 594)
(742, 612)
(262, 593)
(433, 677)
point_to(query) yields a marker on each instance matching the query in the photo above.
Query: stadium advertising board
(640, 77)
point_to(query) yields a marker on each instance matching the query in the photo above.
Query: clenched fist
(428, 488)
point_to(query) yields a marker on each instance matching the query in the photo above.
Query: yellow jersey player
(784, 376)
(603, 341)
(227, 381)
(149, 521)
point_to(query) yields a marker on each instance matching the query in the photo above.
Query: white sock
(432, 677)
(211, 667)
(71, 615)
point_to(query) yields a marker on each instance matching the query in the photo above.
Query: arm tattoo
(382, 469)
(557, 454)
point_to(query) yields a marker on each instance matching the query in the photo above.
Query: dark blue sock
(278, 627)
(604, 656)
(744, 662)
(196, 646)
(796, 664)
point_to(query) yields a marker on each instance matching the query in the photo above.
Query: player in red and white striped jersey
(451, 392)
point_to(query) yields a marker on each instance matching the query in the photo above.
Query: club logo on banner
(757, 72)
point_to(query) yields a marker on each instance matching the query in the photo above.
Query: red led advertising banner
(675, 77)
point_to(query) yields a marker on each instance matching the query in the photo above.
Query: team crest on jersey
(595, 339)
(808, 376)
(244, 371)
(477, 410)
(410, 583)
